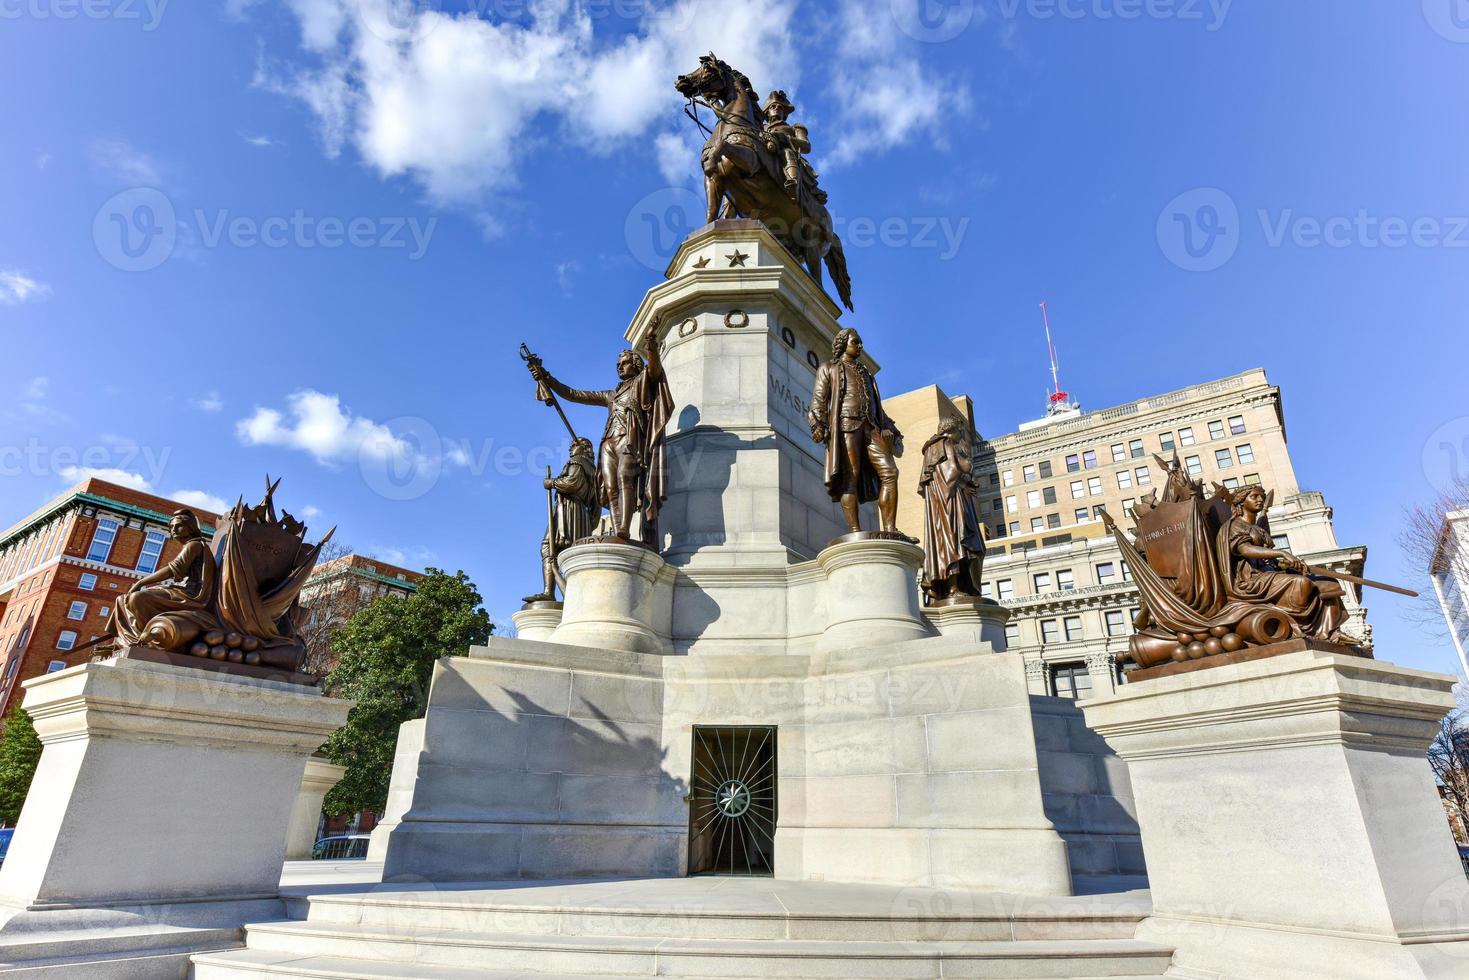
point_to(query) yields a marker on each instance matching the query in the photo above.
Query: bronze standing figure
(631, 471)
(862, 443)
(953, 536)
(574, 512)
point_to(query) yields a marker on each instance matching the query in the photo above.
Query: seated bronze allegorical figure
(170, 607)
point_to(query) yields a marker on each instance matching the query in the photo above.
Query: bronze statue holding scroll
(862, 443)
(631, 471)
(953, 535)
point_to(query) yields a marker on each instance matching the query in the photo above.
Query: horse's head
(713, 79)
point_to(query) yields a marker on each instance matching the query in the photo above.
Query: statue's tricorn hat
(778, 98)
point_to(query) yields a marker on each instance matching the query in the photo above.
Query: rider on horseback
(793, 142)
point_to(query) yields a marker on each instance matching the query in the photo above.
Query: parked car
(5, 836)
(349, 848)
(1463, 857)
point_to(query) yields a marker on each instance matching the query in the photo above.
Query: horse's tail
(836, 264)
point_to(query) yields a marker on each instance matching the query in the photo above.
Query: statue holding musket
(631, 472)
(571, 502)
(862, 443)
(953, 537)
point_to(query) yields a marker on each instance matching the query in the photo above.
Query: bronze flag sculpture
(631, 471)
(953, 536)
(573, 512)
(1214, 586)
(232, 605)
(862, 443)
(754, 167)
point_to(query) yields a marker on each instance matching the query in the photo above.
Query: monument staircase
(702, 927)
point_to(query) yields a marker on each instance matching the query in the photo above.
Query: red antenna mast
(1058, 397)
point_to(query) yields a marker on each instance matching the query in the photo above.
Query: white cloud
(310, 511)
(32, 404)
(454, 101)
(566, 273)
(316, 423)
(16, 287)
(123, 478)
(209, 402)
(260, 141)
(678, 158)
(887, 104)
(201, 500)
(125, 162)
(43, 160)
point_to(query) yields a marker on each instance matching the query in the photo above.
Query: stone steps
(249, 964)
(543, 955)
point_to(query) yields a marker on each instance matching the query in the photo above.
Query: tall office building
(1450, 574)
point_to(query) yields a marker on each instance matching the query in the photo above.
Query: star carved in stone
(702, 262)
(736, 258)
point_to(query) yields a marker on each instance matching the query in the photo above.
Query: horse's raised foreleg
(714, 189)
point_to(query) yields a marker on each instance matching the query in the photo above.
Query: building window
(56, 665)
(1165, 441)
(1097, 511)
(1071, 681)
(1037, 523)
(1116, 623)
(1012, 634)
(1126, 573)
(1053, 520)
(1128, 505)
(1078, 490)
(1033, 498)
(1119, 453)
(1050, 631)
(1074, 629)
(87, 582)
(1135, 449)
(1230, 483)
(1236, 425)
(1089, 459)
(1011, 504)
(102, 540)
(1106, 572)
(1029, 472)
(66, 640)
(77, 611)
(1246, 453)
(1065, 580)
(152, 551)
(986, 591)
(105, 611)
(1195, 465)
(1282, 542)
(1005, 588)
(994, 482)
(1081, 515)
(1009, 478)
(1094, 485)
(1253, 479)
(1014, 527)
(1042, 582)
(1124, 480)
(1073, 463)
(1046, 472)
(1049, 495)
(1186, 437)
(1216, 430)
(997, 505)
(1144, 476)
(1000, 532)
(1223, 459)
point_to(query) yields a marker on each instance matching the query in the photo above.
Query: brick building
(336, 591)
(62, 567)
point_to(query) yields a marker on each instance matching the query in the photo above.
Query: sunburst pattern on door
(732, 809)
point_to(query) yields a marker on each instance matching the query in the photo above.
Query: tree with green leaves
(20, 752)
(388, 651)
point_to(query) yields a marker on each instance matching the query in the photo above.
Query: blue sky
(306, 237)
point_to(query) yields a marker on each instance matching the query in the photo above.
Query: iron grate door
(732, 807)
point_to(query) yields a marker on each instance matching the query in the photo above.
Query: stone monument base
(618, 597)
(156, 823)
(1289, 820)
(537, 620)
(1244, 656)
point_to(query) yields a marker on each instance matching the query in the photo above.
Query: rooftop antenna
(1058, 400)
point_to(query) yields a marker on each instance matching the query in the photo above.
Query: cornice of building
(80, 498)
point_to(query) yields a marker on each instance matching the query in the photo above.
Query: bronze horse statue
(743, 174)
